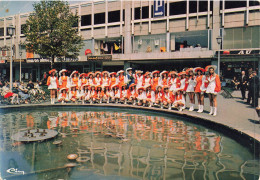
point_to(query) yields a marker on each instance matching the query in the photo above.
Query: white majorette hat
(163, 72)
(121, 71)
(74, 72)
(138, 71)
(61, 71)
(63, 89)
(127, 69)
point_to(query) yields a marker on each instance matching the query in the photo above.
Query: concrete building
(148, 35)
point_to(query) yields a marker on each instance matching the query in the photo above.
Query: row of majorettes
(165, 89)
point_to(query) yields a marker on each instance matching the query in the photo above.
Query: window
(192, 6)
(113, 16)
(145, 12)
(137, 13)
(232, 4)
(99, 18)
(1, 31)
(244, 37)
(86, 20)
(203, 6)
(254, 3)
(23, 26)
(177, 8)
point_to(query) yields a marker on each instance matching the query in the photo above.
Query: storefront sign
(67, 59)
(238, 52)
(100, 58)
(2, 61)
(37, 60)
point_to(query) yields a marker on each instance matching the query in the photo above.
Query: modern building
(148, 35)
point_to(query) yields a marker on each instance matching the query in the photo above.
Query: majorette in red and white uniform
(123, 91)
(63, 95)
(147, 80)
(52, 81)
(105, 79)
(74, 80)
(64, 81)
(97, 79)
(199, 79)
(182, 81)
(163, 79)
(83, 79)
(120, 80)
(174, 81)
(139, 79)
(141, 94)
(90, 78)
(191, 86)
(168, 96)
(73, 94)
(132, 92)
(115, 92)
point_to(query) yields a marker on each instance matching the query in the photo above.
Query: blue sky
(8, 8)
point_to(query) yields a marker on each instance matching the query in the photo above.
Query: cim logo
(14, 171)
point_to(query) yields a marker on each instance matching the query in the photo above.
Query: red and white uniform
(82, 81)
(74, 94)
(75, 81)
(163, 81)
(98, 94)
(191, 85)
(123, 93)
(83, 93)
(52, 82)
(141, 96)
(115, 93)
(139, 81)
(90, 81)
(182, 81)
(97, 81)
(131, 93)
(92, 94)
(63, 95)
(64, 82)
(214, 85)
(120, 80)
(168, 97)
(147, 81)
(174, 83)
(179, 99)
(105, 81)
(158, 96)
(198, 81)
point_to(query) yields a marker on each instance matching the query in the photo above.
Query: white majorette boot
(125, 101)
(215, 111)
(62, 102)
(150, 104)
(51, 100)
(180, 109)
(199, 108)
(134, 102)
(191, 107)
(169, 107)
(107, 101)
(211, 110)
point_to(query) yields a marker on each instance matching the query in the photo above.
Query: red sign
(88, 51)
(2, 61)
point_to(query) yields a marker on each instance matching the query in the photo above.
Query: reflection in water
(126, 144)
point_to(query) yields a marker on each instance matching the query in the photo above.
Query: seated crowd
(159, 89)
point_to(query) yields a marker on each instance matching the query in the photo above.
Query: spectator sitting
(7, 94)
(30, 85)
(23, 92)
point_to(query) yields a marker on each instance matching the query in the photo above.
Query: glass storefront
(149, 43)
(242, 37)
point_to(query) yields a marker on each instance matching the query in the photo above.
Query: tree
(52, 31)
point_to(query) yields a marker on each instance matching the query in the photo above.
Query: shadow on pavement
(254, 121)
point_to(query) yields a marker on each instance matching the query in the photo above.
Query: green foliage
(50, 31)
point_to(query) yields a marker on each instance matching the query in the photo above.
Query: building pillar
(126, 65)
(38, 72)
(128, 41)
(215, 25)
(168, 41)
(17, 73)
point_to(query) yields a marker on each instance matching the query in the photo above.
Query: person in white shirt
(141, 96)
(191, 87)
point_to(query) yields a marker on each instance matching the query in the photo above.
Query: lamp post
(20, 53)
(219, 41)
(11, 31)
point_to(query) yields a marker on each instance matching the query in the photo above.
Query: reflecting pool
(119, 144)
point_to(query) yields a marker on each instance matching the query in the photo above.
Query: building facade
(148, 35)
